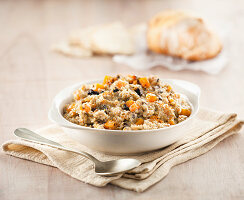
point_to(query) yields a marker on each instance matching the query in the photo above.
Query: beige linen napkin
(208, 129)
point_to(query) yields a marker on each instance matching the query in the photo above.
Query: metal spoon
(107, 168)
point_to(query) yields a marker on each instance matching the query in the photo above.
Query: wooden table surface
(31, 75)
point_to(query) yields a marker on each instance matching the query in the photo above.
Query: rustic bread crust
(176, 33)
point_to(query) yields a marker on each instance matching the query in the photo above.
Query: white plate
(125, 142)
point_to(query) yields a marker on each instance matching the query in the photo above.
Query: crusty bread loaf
(178, 34)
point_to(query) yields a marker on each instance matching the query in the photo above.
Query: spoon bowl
(108, 168)
(116, 166)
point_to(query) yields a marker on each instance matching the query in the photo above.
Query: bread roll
(176, 33)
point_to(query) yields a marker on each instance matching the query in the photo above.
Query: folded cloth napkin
(208, 129)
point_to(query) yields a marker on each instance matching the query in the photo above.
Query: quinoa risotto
(127, 103)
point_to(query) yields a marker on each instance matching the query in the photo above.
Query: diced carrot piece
(144, 82)
(98, 86)
(68, 109)
(168, 88)
(160, 121)
(108, 80)
(171, 122)
(139, 121)
(132, 78)
(77, 95)
(87, 107)
(121, 84)
(171, 100)
(185, 112)
(151, 97)
(80, 107)
(134, 107)
(109, 124)
(129, 103)
(153, 118)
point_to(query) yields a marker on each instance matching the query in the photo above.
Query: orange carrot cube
(132, 78)
(129, 103)
(87, 108)
(185, 112)
(168, 88)
(98, 86)
(109, 124)
(139, 121)
(171, 122)
(171, 100)
(121, 84)
(108, 80)
(153, 118)
(151, 97)
(144, 82)
(80, 107)
(134, 107)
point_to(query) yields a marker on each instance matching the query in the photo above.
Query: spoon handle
(29, 135)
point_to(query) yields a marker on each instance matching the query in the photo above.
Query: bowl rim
(105, 131)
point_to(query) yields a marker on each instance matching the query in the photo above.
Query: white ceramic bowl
(125, 142)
